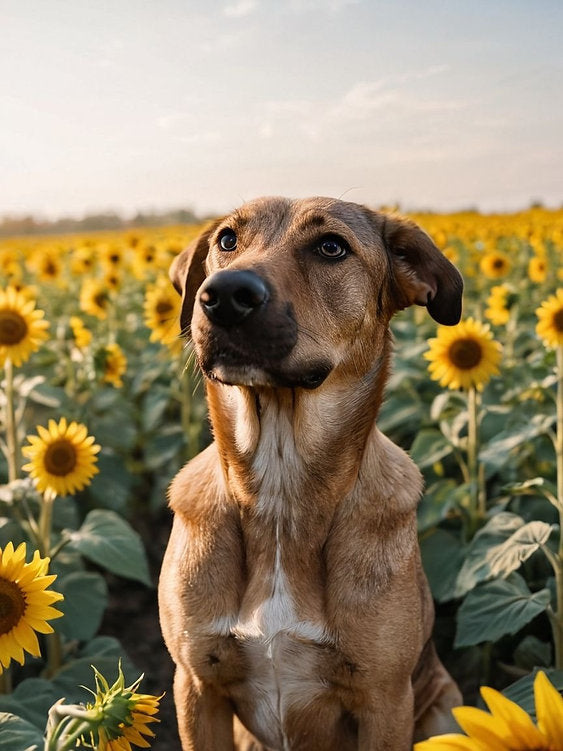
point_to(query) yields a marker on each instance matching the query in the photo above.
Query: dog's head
(284, 293)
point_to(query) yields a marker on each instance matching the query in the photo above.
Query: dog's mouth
(246, 374)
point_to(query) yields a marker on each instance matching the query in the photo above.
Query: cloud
(240, 8)
(364, 108)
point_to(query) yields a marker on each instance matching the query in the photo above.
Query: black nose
(228, 297)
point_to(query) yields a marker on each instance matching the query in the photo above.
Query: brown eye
(332, 248)
(227, 240)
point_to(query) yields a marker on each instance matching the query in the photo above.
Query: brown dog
(292, 593)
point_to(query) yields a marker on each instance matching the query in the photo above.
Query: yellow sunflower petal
(480, 725)
(549, 710)
(521, 726)
(451, 742)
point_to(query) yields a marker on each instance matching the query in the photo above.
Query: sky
(134, 105)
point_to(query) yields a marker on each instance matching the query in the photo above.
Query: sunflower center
(498, 263)
(465, 353)
(12, 605)
(13, 327)
(101, 300)
(163, 307)
(60, 458)
(558, 320)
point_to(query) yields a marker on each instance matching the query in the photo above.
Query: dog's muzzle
(229, 297)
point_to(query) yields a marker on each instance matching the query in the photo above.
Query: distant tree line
(32, 225)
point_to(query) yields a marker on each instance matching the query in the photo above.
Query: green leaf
(499, 607)
(429, 447)
(109, 541)
(30, 700)
(86, 599)
(18, 735)
(163, 447)
(476, 567)
(437, 500)
(111, 487)
(522, 692)
(442, 556)
(507, 557)
(497, 453)
(104, 653)
(532, 652)
(154, 405)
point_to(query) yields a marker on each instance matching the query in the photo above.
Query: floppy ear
(187, 272)
(421, 274)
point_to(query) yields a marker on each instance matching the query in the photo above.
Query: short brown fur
(292, 596)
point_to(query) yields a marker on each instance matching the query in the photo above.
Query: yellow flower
(508, 727)
(62, 458)
(115, 365)
(464, 355)
(94, 298)
(162, 313)
(537, 269)
(495, 264)
(46, 263)
(82, 336)
(121, 716)
(82, 260)
(550, 324)
(22, 328)
(25, 603)
(497, 313)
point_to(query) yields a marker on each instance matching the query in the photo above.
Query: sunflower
(82, 260)
(115, 365)
(94, 298)
(162, 313)
(495, 264)
(497, 312)
(63, 458)
(508, 727)
(25, 603)
(47, 264)
(122, 715)
(537, 269)
(550, 324)
(82, 335)
(22, 328)
(464, 355)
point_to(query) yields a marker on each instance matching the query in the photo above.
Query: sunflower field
(100, 405)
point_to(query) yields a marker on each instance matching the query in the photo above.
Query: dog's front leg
(388, 724)
(205, 718)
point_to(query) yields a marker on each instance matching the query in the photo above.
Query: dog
(292, 596)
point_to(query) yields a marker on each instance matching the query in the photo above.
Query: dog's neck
(286, 446)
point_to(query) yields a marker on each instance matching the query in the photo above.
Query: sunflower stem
(557, 621)
(46, 521)
(477, 497)
(54, 653)
(6, 681)
(14, 457)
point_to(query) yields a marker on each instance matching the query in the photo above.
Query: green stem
(14, 457)
(477, 498)
(46, 521)
(6, 682)
(557, 621)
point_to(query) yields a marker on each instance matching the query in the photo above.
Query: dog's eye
(227, 240)
(332, 248)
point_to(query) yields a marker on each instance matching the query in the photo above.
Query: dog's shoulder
(198, 488)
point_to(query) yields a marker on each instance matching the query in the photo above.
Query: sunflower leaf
(85, 601)
(477, 567)
(17, 734)
(109, 541)
(499, 607)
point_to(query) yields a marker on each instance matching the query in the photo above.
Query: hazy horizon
(137, 106)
